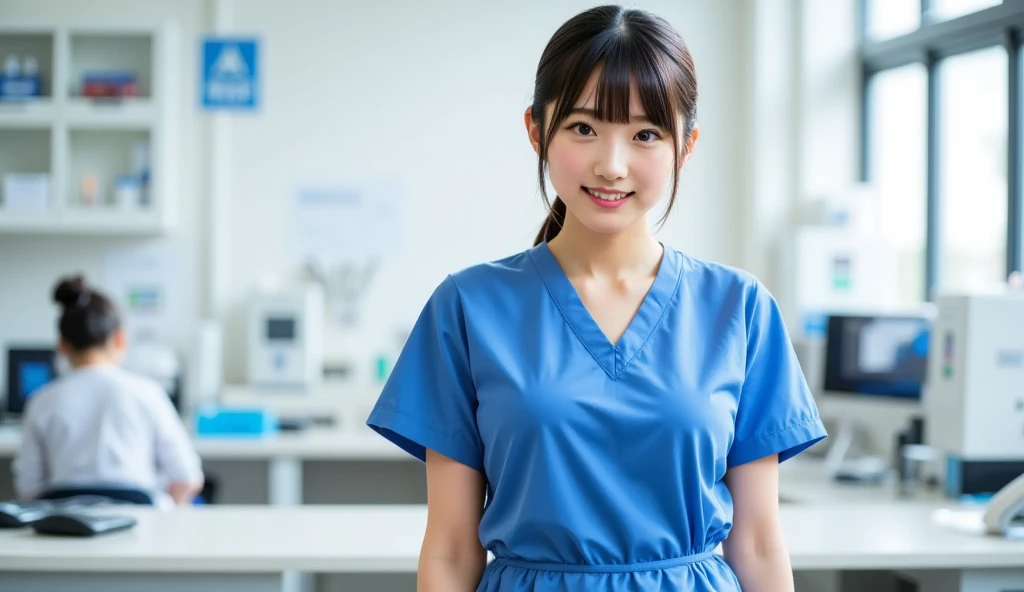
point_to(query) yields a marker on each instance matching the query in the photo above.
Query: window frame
(933, 42)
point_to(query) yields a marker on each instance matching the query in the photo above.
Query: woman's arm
(451, 559)
(184, 494)
(755, 548)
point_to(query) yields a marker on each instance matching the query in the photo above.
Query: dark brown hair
(89, 318)
(627, 44)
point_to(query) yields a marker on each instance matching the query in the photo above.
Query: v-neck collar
(613, 358)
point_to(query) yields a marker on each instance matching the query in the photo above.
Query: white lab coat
(102, 425)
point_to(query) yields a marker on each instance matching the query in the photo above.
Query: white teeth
(606, 196)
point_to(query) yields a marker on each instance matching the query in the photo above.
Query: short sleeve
(429, 400)
(776, 413)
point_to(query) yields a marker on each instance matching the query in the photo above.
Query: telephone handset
(1005, 512)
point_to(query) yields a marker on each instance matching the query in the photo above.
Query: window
(972, 168)
(943, 139)
(890, 18)
(949, 9)
(898, 166)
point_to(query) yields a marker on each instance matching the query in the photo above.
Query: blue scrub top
(604, 462)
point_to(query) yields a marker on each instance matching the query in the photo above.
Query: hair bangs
(623, 61)
(657, 89)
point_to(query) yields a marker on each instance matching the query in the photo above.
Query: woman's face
(609, 174)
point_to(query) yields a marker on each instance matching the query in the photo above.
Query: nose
(611, 161)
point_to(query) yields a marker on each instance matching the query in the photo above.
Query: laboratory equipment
(26, 192)
(205, 365)
(159, 363)
(212, 420)
(829, 269)
(878, 355)
(28, 370)
(20, 79)
(878, 359)
(975, 404)
(285, 348)
(1005, 512)
(109, 84)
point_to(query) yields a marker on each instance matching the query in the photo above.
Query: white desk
(246, 548)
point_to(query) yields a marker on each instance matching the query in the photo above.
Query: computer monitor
(873, 387)
(877, 356)
(27, 371)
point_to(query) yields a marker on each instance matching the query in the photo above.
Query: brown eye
(582, 128)
(647, 135)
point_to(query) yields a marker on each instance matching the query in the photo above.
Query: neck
(583, 252)
(91, 358)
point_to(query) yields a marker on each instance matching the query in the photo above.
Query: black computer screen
(28, 370)
(281, 329)
(877, 355)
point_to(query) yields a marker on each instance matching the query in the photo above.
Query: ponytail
(553, 223)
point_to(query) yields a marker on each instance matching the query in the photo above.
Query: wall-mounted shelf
(95, 222)
(85, 145)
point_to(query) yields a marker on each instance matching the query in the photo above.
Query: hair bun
(71, 291)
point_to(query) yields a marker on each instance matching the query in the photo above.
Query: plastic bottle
(12, 67)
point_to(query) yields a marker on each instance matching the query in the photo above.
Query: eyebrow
(593, 113)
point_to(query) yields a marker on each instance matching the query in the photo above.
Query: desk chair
(130, 495)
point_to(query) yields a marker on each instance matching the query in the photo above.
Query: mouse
(81, 525)
(17, 514)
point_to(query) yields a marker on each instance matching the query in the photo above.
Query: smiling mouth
(608, 196)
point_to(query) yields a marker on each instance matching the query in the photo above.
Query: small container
(90, 190)
(12, 67)
(127, 192)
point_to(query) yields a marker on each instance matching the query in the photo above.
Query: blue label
(230, 74)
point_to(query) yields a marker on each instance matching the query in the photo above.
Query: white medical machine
(286, 338)
(829, 269)
(975, 399)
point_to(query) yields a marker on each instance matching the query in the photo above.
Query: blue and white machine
(286, 339)
(975, 397)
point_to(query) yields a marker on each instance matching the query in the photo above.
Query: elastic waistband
(607, 568)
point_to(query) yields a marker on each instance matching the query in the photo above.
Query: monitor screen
(28, 370)
(884, 356)
(34, 375)
(280, 329)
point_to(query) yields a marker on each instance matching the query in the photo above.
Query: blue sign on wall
(229, 73)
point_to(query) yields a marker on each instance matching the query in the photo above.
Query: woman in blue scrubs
(601, 411)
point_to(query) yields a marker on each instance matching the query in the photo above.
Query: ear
(119, 340)
(115, 345)
(65, 348)
(690, 143)
(532, 130)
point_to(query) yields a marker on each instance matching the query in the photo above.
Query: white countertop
(260, 539)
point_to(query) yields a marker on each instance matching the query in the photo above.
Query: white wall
(432, 94)
(771, 121)
(29, 266)
(828, 74)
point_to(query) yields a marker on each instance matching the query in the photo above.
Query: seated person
(100, 425)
